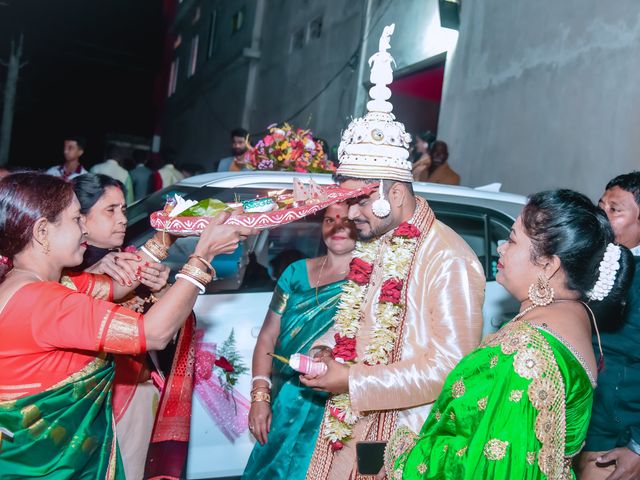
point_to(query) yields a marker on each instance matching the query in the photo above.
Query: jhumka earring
(45, 246)
(381, 207)
(540, 292)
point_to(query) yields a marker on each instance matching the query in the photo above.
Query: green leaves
(209, 207)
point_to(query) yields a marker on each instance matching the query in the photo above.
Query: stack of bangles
(261, 393)
(196, 276)
(155, 251)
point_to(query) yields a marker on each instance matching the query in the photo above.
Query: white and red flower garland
(395, 264)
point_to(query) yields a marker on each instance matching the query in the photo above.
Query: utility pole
(13, 67)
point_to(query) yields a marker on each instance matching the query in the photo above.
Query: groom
(412, 306)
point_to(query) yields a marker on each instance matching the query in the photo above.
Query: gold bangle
(203, 260)
(256, 389)
(260, 397)
(196, 273)
(156, 249)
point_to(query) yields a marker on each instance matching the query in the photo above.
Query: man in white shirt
(112, 168)
(73, 149)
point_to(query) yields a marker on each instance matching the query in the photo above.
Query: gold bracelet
(195, 273)
(156, 249)
(260, 397)
(203, 260)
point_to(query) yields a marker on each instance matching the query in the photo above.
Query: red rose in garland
(407, 230)
(345, 348)
(360, 271)
(391, 290)
(337, 445)
(224, 364)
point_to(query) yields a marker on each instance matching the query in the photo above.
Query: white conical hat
(376, 146)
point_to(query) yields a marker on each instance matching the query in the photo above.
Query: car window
(481, 228)
(257, 263)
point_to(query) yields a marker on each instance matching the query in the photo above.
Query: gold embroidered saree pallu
(517, 407)
(65, 432)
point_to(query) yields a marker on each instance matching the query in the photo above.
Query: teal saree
(64, 432)
(297, 410)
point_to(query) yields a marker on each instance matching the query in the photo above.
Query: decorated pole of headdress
(376, 146)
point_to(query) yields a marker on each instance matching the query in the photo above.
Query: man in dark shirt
(612, 449)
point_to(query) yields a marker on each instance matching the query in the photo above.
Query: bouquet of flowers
(290, 149)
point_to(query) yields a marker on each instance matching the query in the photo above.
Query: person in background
(113, 168)
(165, 176)
(422, 159)
(56, 351)
(285, 416)
(140, 174)
(74, 147)
(190, 169)
(519, 405)
(239, 148)
(281, 261)
(612, 449)
(440, 171)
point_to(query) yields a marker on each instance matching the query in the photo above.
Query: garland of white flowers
(396, 262)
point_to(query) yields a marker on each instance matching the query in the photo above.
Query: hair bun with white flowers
(609, 266)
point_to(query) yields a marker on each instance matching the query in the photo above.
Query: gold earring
(540, 292)
(45, 246)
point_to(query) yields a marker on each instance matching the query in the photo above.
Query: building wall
(207, 105)
(544, 94)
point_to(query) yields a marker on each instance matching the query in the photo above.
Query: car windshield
(258, 262)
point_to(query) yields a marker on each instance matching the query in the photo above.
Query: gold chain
(318, 280)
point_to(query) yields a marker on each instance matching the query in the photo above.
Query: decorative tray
(328, 195)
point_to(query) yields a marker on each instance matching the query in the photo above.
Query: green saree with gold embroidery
(518, 407)
(66, 431)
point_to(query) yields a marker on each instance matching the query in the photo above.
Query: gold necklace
(27, 271)
(319, 279)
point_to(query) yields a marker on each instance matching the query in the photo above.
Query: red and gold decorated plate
(186, 226)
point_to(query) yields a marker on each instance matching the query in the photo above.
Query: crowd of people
(393, 311)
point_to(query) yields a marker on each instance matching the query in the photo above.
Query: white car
(220, 443)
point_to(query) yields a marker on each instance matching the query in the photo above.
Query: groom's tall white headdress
(376, 146)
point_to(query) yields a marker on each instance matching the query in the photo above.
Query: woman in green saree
(285, 416)
(519, 405)
(57, 345)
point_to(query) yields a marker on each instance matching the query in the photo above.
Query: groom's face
(368, 226)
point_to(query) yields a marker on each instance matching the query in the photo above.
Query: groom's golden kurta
(443, 322)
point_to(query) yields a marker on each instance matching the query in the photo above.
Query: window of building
(173, 77)
(212, 34)
(237, 21)
(315, 28)
(193, 57)
(298, 39)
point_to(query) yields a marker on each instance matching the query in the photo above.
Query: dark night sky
(92, 70)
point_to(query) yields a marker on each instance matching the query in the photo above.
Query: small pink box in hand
(305, 364)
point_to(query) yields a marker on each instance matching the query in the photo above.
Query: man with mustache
(413, 304)
(612, 448)
(239, 147)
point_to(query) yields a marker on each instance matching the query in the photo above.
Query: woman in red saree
(57, 346)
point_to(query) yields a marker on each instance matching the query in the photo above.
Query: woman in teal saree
(519, 405)
(285, 416)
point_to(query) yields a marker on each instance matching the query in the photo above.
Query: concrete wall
(207, 105)
(544, 94)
